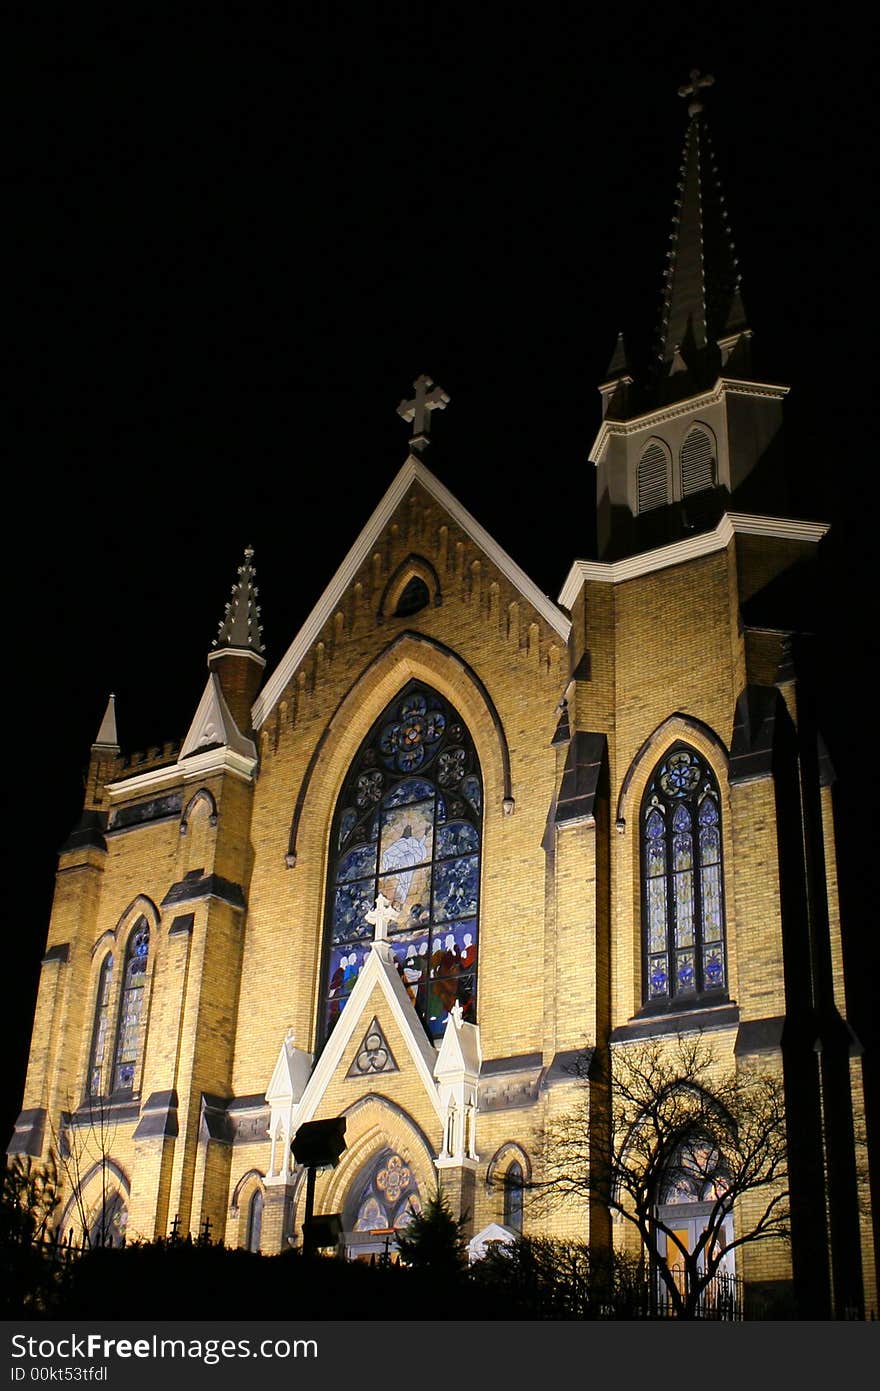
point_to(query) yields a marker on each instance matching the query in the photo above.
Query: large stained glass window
(131, 1008)
(408, 825)
(99, 1028)
(682, 895)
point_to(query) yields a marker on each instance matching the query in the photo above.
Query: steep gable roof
(413, 471)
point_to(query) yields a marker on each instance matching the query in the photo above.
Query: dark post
(318, 1145)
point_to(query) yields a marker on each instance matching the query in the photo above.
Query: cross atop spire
(692, 89)
(418, 410)
(241, 627)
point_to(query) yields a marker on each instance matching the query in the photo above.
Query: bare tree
(674, 1127)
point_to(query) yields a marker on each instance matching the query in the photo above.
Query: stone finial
(240, 626)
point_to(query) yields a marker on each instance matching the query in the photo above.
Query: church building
(463, 834)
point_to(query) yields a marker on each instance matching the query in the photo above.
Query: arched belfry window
(131, 1008)
(98, 1048)
(697, 461)
(682, 890)
(652, 478)
(408, 825)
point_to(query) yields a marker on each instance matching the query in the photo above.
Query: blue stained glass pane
(711, 885)
(658, 979)
(417, 916)
(345, 967)
(346, 824)
(713, 968)
(708, 813)
(435, 724)
(679, 775)
(441, 809)
(470, 787)
(458, 838)
(685, 970)
(388, 738)
(682, 852)
(710, 845)
(415, 704)
(655, 858)
(655, 826)
(410, 758)
(351, 904)
(656, 914)
(684, 910)
(357, 863)
(455, 888)
(408, 790)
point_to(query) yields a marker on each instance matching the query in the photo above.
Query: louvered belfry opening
(697, 462)
(653, 489)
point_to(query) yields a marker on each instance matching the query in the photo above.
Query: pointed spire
(701, 295)
(107, 736)
(241, 627)
(619, 363)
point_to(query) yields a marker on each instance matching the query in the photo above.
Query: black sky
(233, 248)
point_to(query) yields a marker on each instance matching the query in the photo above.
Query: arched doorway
(381, 1200)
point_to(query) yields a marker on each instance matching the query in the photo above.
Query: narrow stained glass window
(99, 1029)
(513, 1197)
(131, 1009)
(682, 896)
(408, 826)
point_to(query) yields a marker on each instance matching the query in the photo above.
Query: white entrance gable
(379, 970)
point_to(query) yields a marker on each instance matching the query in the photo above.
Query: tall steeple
(694, 432)
(237, 659)
(702, 315)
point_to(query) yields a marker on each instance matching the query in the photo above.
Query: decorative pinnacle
(419, 409)
(692, 89)
(241, 625)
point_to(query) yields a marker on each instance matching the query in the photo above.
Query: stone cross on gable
(380, 916)
(692, 89)
(418, 410)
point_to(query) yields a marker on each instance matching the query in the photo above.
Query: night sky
(234, 249)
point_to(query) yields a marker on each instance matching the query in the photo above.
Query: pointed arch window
(513, 1197)
(253, 1235)
(697, 462)
(653, 483)
(414, 597)
(682, 889)
(98, 1048)
(408, 824)
(131, 1008)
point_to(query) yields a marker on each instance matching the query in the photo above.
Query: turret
(237, 659)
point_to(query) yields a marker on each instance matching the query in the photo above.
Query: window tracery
(408, 826)
(682, 895)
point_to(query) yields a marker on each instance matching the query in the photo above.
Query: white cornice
(633, 567)
(725, 386)
(376, 971)
(413, 471)
(197, 766)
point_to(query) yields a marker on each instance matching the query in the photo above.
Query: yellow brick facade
(227, 858)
